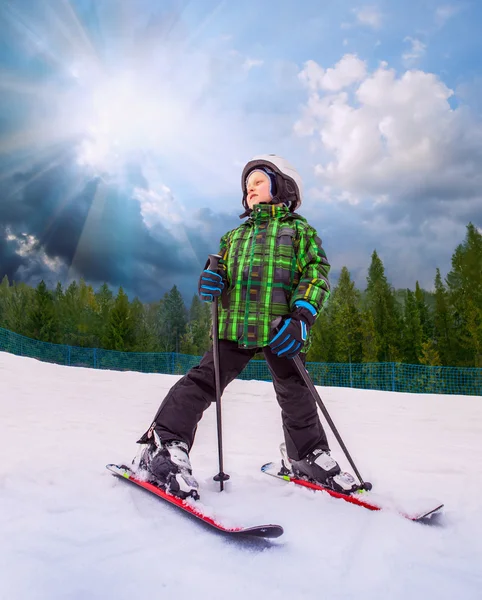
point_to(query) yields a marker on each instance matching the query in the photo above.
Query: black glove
(210, 286)
(293, 331)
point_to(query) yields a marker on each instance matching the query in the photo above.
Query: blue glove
(293, 331)
(210, 286)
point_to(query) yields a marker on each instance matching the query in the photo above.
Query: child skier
(272, 265)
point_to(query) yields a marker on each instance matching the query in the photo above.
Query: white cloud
(155, 206)
(395, 135)
(312, 74)
(417, 50)
(347, 71)
(159, 208)
(27, 245)
(369, 15)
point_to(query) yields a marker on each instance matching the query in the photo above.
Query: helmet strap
(275, 200)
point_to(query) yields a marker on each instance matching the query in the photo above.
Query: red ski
(364, 499)
(193, 508)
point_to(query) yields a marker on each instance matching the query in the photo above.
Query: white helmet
(289, 187)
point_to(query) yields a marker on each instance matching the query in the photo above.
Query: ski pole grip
(213, 262)
(275, 323)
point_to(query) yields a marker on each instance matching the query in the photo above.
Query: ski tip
(119, 470)
(112, 466)
(430, 517)
(263, 531)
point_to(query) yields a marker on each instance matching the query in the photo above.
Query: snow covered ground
(70, 530)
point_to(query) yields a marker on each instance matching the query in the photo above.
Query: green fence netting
(395, 377)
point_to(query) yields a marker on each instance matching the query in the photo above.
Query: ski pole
(366, 485)
(221, 476)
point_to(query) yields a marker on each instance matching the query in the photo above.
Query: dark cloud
(95, 230)
(410, 249)
(207, 229)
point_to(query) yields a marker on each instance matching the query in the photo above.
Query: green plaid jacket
(270, 261)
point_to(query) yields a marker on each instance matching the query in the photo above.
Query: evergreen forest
(376, 324)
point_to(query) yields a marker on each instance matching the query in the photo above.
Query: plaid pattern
(270, 261)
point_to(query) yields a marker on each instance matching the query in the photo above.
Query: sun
(121, 117)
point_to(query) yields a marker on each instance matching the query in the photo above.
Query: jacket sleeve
(313, 266)
(223, 253)
(222, 268)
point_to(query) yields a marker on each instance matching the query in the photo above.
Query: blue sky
(124, 128)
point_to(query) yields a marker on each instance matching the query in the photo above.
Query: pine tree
(200, 323)
(188, 345)
(429, 355)
(424, 314)
(323, 337)
(412, 333)
(87, 323)
(69, 308)
(347, 320)
(443, 332)
(380, 299)
(152, 317)
(104, 302)
(144, 335)
(4, 301)
(120, 333)
(369, 338)
(42, 322)
(59, 293)
(474, 329)
(20, 300)
(465, 295)
(173, 320)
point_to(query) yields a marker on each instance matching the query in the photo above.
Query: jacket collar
(268, 211)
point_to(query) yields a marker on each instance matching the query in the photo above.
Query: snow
(71, 530)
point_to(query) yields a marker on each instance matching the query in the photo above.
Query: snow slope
(71, 530)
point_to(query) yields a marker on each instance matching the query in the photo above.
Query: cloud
(417, 50)
(104, 121)
(59, 225)
(369, 16)
(249, 63)
(155, 205)
(160, 85)
(445, 12)
(394, 146)
(391, 127)
(348, 70)
(24, 260)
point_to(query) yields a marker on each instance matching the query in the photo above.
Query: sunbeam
(106, 108)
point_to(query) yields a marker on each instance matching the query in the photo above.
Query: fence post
(95, 358)
(393, 377)
(68, 355)
(351, 376)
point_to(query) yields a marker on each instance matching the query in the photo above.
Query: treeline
(80, 316)
(378, 324)
(443, 327)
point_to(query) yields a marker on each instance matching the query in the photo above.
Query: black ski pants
(182, 408)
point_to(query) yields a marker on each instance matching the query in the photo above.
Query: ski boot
(168, 466)
(320, 468)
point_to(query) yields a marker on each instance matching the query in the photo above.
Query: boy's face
(258, 188)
